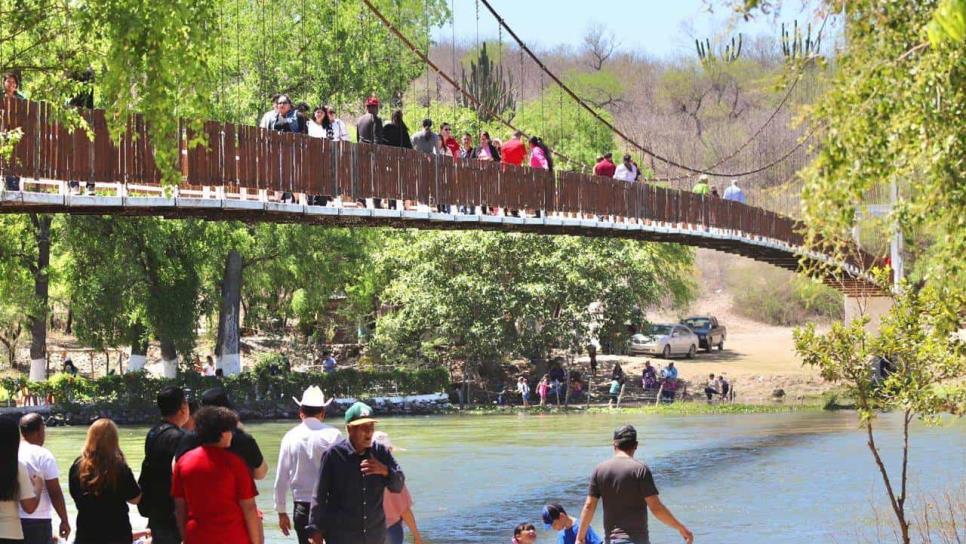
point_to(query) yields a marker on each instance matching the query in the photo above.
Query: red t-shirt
(513, 152)
(605, 168)
(453, 146)
(212, 480)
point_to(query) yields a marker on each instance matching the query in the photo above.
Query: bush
(139, 389)
(778, 297)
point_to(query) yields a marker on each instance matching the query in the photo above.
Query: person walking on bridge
(514, 150)
(701, 187)
(734, 193)
(426, 140)
(627, 489)
(369, 126)
(605, 166)
(627, 171)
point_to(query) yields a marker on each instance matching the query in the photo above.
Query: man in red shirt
(514, 150)
(214, 494)
(605, 167)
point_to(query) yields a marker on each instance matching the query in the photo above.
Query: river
(776, 478)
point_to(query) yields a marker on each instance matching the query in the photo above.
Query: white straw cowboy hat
(313, 397)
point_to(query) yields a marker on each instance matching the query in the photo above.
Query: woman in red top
(214, 495)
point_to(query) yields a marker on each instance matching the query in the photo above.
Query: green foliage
(930, 366)
(896, 112)
(484, 296)
(948, 23)
(139, 389)
(196, 59)
(777, 297)
(491, 87)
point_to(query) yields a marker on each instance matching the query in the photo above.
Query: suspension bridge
(250, 174)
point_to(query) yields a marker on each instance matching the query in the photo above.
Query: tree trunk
(38, 317)
(228, 344)
(139, 349)
(169, 359)
(69, 326)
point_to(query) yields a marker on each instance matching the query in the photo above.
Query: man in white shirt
(299, 461)
(627, 171)
(37, 526)
(733, 192)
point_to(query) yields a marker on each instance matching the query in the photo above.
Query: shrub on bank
(139, 389)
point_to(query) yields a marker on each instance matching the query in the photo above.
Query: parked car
(710, 332)
(665, 340)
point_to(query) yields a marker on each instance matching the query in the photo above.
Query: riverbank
(681, 408)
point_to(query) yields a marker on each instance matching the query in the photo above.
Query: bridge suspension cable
(707, 171)
(449, 79)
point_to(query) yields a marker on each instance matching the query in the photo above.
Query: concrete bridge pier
(873, 307)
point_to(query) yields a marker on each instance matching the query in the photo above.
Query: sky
(657, 28)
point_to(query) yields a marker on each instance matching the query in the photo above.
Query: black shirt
(347, 505)
(242, 445)
(159, 448)
(369, 129)
(103, 518)
(396, 136)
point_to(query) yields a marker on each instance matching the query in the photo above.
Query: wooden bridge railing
(246, 157)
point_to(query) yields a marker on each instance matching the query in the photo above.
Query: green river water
(775, 478)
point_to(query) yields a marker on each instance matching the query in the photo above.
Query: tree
(924, 374)
(480, 297)
(599, 45)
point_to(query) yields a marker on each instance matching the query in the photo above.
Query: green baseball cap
(359, 413)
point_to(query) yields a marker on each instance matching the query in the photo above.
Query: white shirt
(300, 459)
(733, 192)
(10, 510)
(39, 462)
(624, 173)
(209, 370)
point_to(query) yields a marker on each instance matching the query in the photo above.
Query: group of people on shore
(197, 479)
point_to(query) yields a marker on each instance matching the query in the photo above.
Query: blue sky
(659, 28)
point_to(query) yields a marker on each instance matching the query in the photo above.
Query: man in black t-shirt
(159, 448)
(242, 443)
(627, 489)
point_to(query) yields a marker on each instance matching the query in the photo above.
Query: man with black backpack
(155, 481)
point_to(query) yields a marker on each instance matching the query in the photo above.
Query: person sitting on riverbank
(650, 376)
(724, 387)
(712, 388)
(669, 387)
(556, 518)
(524, 389)
(525, 533)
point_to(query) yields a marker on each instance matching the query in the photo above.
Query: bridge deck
(244, 173)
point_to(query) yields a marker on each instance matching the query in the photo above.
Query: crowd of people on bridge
(197, 483)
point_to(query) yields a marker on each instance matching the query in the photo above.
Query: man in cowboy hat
(355, 473)
(299, 459)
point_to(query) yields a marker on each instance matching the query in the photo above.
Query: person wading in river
(626, 487)
(354, 475)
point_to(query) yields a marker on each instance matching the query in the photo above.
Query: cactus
(487, 83)
(730, 53)
(796, 45)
